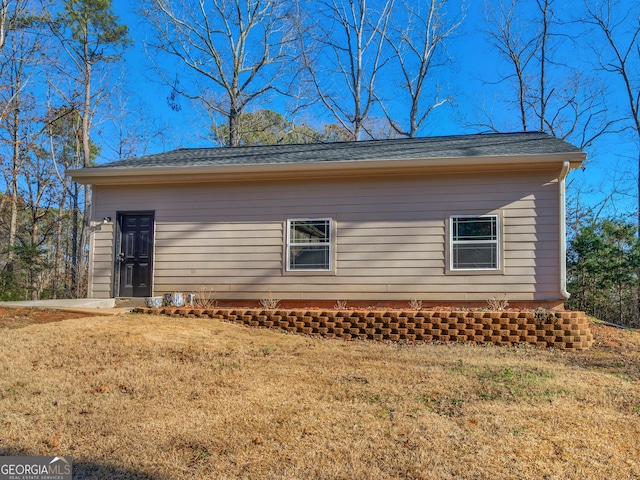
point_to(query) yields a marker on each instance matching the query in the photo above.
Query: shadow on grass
(90, 470)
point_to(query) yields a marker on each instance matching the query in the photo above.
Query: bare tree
(90, 36)
(233, 52)
(21, 56)
(14, 127)
(618, 53)
(417, 39)
(344, 53)
(13, 20)
(11, 11)
(549, 94)
(507, 37)
(39, 221)
(64, 133)
(4, 16)
(127, 130)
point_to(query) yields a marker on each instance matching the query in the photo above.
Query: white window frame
(496, 241)
(328, 244)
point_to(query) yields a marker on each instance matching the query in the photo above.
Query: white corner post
(566, 166)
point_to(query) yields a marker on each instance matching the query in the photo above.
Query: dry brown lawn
(150, 397)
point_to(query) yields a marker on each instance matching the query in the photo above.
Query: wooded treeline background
(274, 71)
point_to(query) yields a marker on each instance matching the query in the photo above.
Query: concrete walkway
(99, 306)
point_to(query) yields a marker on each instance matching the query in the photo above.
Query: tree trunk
(74, 241)
(84, 238)
(57, 248)
(13, 219)
(544, 10)
(35, 283)
(86, 162)
(234, 133)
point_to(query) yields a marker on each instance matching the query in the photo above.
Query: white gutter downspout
(563, 229)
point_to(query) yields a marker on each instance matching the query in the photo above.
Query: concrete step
(126, 302)
(66, 303)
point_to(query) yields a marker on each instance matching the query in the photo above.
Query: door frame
(118, 245)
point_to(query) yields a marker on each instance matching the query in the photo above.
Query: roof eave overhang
(331, 169)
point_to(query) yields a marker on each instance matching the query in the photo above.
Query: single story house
(444, 220)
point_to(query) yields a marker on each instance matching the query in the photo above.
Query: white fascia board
(327, 169)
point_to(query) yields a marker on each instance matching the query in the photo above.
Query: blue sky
(612, 161)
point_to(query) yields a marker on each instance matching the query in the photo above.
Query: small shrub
(270, 303)
(415, 304)
(205, 298)
(340, 304)
(542, 314)
(497, 305)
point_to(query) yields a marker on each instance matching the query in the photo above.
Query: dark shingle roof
(479, 145)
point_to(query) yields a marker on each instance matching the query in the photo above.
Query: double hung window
(474, 243)
(309, 245)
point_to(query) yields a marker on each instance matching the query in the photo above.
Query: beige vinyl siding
(390, 237)
(101, 261)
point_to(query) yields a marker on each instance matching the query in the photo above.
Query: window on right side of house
(474, 242)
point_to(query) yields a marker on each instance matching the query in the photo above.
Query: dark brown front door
(135, 256)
